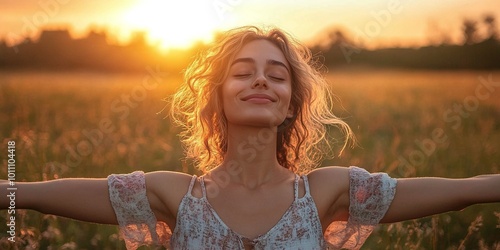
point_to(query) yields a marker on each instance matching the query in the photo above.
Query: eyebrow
(251, 60)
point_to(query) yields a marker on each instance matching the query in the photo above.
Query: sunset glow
(170, 23)
(181, 23)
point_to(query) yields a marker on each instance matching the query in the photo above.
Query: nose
(260, 82)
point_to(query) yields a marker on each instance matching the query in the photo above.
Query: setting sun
(171, 23)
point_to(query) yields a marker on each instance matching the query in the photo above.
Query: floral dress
(199, 227)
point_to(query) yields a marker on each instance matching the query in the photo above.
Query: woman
(255, 112)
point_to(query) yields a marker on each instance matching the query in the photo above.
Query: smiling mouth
(258, 98)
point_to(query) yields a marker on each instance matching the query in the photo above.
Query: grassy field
(407, 123)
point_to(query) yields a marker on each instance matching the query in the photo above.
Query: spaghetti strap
(191, 185)
(296, 187)
(203, 189)
(306, 184)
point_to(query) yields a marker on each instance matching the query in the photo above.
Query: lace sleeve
(138, 224)
(370, 197)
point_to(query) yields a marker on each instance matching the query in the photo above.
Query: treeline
(482, 55)
(475, 52)
(57, 50)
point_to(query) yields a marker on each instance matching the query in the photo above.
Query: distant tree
(437, 35)
(489, 20)
(97, 37)
(57, 36)
(470, 31)
(138, 39)
(336, 37)
(3, 43)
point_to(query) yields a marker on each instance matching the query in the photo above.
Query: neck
(251, 156)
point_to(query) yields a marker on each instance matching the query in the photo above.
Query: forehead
(261, 51)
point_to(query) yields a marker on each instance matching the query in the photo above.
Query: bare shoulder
(170, 178)
(330, 190)
(165, 190)
(328, 177)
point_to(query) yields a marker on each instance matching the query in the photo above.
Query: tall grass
(55, 119)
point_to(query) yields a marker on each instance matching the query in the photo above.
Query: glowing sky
(181, 23)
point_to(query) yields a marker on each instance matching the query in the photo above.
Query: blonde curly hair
(197, 105)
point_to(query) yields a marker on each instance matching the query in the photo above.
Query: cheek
(290, 108)
(286, 95)
(229, 88)
(227, 97)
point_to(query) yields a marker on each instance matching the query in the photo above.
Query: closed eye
(276, 78)
(241, 75)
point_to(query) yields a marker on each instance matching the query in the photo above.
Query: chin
(258, 121)
(259, 117)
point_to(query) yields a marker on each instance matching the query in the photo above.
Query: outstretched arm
(420, 197)
(81, 199)
(88, 199)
